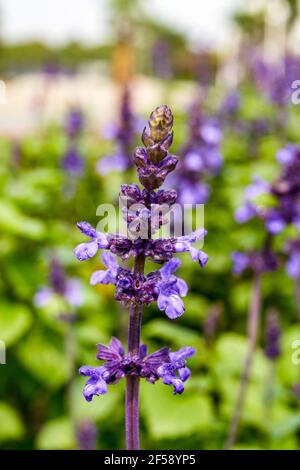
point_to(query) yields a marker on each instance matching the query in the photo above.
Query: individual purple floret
(160, 364)
(272, 336)
(124, 133)
(201, 157)
(69, 288)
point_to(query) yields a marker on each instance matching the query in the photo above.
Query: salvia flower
(68, 288)
(255, 261)
(272, 336)
(74, 123)
(201, 157)
(162, 364)
(86, 433)
(145, 213)
(293, 263)
(72, 161)
(285, 192)
(124, 133)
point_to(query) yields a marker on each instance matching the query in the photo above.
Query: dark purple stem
(253, 322)
(133, 383)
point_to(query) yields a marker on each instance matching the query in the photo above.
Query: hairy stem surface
(133, 383)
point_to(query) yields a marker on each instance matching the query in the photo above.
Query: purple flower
(184, 244)
(272, 336)
(245, 213)
(86, 433)
(293, 262)
(256, 261)
(109, 275)
(286, 155)
(124, 133)
(240, 262)
(72, 161)
(201, 156)
(96, 385)
(231, 104)
(69, 288)
(98, 241)
(135, 288)
(160, 364)
(176, 372)
(171, 289)
(74, 122)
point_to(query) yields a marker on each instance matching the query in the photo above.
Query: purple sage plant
(72, 161)
(201, 157)
(124, 133)
(135, 289)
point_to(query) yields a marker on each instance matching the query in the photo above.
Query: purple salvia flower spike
(133, 287)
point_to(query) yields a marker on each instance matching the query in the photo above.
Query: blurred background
(78, 81)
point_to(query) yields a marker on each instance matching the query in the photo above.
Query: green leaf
(12, 221)
(44, 358)
(100, 408)
(15, 320)
(11, 424)
(173, 416)
(57, 434)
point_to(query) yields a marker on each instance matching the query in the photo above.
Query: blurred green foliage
(39, 208)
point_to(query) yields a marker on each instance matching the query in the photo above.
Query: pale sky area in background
(58, 21)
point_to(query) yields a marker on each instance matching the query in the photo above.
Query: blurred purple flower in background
(272, 336)
(201, 157)
(59, 284)
(124, 133)
(86, 433)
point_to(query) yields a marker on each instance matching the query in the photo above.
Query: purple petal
(293, 266)
(172, 305)
(182, 287)
(170, 267)
(245, 213)
(116, 345)
(94, 386)
(43, 297)
(117, 162)
(184, 373)
(169, 379)
(240, 262)
(87, 229)
(211, 134)
(101, 277)
(275, 225)
(182, 354)
(109, 261)
(73, 293)
(86, 250)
